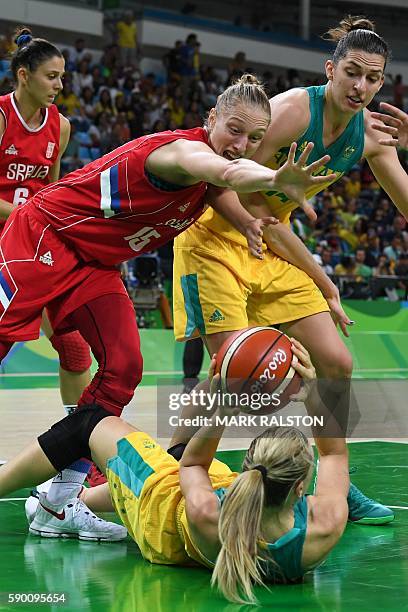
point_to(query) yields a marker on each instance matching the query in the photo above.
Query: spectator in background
(188, 62)
(87, 104)
(346, 267)
(192, 117)
(372, 245)
(82, 77)
(120, 131)
(393, 251)
(97, 79)
(104, 105)
(337, 194)
(236, 68)
(71, 160)
(383, 267)
(70, 66)
(397, 91)
(103, 131)
(352, 186)
(67, 102)
(126, 30)
(175, 104)
(398, 228)
(401, 268)
(361, 267)
(172, 61)
(79, 52)
(327, 260)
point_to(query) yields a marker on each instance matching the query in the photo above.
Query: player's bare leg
(334, 365)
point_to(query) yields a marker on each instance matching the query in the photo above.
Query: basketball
(258, 362)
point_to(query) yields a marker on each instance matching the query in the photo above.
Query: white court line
(398, 507)
(179, 372)
(245, 448)
(6, 499)
(146, 372)
(382, 332)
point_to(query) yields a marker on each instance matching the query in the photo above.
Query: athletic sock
(68, 483)
(69, 408)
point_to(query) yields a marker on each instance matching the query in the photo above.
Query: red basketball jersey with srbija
(26, 154)
(112, 209)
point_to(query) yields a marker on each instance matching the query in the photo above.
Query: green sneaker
(366, 511)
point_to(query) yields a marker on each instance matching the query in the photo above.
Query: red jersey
(26, 154)
(111, 210)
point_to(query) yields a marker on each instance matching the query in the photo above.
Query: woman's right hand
(395, 124)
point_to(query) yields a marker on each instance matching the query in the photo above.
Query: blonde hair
(357, 32)
(274, 464)
(247, 90)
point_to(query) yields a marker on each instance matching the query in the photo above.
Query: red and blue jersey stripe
(8, 290)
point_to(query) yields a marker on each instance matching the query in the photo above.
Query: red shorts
(36, 270)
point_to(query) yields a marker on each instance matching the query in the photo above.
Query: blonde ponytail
(239, 527)
(276, 460)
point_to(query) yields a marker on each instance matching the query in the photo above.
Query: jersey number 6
(21, 195)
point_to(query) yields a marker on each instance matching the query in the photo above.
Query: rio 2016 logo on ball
(258, 361)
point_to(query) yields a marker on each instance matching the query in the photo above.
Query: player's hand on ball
(214, 379)
(304, 367)
(215, 387)
(254, 232)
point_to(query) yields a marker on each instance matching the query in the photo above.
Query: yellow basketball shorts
(219, 286)
(145, 490)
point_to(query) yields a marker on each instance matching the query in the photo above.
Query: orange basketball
(258, 361)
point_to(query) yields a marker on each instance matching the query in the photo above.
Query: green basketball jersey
(345, 152)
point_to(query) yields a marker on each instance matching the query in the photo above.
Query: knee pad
(73, 351)
(68, 440)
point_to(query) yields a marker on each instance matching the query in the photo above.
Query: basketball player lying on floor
(253, 527)
(72, 233)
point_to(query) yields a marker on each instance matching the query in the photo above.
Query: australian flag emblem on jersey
(8, 289)
(113, 182)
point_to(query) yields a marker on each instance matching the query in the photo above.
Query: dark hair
(357, 32)
(31, 52)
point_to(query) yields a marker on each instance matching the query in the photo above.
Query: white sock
(68, 483)
(69, 408)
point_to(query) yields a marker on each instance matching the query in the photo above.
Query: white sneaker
(31, 504)
(74, 520)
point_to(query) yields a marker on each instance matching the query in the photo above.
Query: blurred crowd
(359, 236)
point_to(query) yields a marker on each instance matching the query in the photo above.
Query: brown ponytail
(357, 32)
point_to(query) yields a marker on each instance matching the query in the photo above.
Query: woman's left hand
(303, 365)
(215, 388)
(294, 178)
(254, 232)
